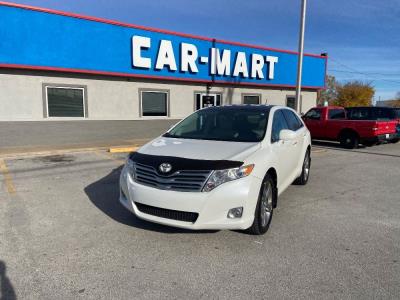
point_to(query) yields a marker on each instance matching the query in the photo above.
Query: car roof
(370, 107)
(237, 107)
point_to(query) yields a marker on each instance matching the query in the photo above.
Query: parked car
(331, 123)
(220, 168)
(376, 113)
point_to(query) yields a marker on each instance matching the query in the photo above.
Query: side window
(336, 114)
(358, 114)
(292, 120)
(278, 123)
(313, 114)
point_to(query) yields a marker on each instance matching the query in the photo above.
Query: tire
(349, 140)
(265, 207)
(394, 141)
(305, 171)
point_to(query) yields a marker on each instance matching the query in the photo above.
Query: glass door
(207, 100)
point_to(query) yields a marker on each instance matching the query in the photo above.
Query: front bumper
(212, 207)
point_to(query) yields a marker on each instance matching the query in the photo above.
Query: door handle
(294, 143)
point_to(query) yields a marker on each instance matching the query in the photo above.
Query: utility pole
(300, 57)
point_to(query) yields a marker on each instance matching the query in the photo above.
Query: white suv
(220, 168)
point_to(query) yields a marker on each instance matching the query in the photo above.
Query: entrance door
(206, 100)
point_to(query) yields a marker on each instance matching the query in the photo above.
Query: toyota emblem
(165, 167)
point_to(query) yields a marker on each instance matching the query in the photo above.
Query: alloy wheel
(266, 204)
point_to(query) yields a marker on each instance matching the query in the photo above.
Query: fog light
(235, 212)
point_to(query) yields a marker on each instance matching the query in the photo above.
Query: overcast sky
(362, 37)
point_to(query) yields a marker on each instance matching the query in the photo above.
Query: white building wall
(21, 96)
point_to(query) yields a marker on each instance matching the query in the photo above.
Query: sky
(361, 37)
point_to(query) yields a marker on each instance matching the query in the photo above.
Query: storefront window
(154, 103)
(65, 102)
(251, 99)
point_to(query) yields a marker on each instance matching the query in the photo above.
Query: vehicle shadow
(104, 194)
(332, 145)
(336, 146)
(7, 290)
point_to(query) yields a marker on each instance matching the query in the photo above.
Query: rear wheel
(305, 172)
(265, 207)
(349, 140)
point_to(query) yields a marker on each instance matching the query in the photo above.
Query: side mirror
(287, 135)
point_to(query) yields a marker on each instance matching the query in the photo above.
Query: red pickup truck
(331, 123)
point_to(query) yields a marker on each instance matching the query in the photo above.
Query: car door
(285, 152)
(313, 121)
(297, 126)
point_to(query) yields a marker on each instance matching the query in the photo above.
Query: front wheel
(265, 207)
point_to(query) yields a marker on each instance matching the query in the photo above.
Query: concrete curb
(123, 149)
(66, 150)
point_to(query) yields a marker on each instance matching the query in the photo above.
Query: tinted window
(383, 113)
(313, 114)
(278, 123)
(65, 102)
(358, 114)
(292, 120)
(335, 114)
(154, 103)
(371, 113)
(244, 125)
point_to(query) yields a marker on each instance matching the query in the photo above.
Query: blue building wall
(32, 38)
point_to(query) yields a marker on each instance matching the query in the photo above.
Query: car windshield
(223, 124)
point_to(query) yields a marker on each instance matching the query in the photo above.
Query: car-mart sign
(41, 39)
(220, 62)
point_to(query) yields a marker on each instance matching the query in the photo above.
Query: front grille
(167, 213)
(184, 180)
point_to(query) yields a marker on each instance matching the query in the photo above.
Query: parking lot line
(7, 177)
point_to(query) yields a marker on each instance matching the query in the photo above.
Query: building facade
(61, 66)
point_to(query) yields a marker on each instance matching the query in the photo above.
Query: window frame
(272, 141)
(252, 95)
(314, 109)
(45, 87)
(164, 91)
(295, 102)
(295, 116)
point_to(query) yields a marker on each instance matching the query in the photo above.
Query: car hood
(199, 149)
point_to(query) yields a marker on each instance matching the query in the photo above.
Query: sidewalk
(27, 137)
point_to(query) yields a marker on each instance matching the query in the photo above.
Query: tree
(354, 93)
(329, 94)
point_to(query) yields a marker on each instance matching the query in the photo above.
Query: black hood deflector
(179, 163)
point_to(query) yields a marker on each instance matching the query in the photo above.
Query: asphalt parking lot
(63, 234)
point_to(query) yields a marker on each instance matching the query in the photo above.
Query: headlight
(219, 177)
